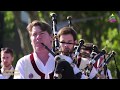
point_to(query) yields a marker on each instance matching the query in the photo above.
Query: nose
(4, 60)
(39, 36)
(66, 45)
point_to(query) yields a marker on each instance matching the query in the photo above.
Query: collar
(11, 69)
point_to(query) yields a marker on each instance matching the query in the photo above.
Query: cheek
(7, 60)
(71, 46)
(62, 46)
(10, 60)
(47, 39)
(32, 40)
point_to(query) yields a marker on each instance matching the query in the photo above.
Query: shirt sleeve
(19, 69)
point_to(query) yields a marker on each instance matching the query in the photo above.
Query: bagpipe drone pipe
(69, 18)
(77, 51)
(55, 42)
(107, 59)
(91, 66)
(103, 66)
(55, 38)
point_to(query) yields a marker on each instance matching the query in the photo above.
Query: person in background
(84, 56)
(88, 52)
(7, 58)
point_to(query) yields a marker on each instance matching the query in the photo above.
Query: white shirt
(84, 62)
(6, 74)
(1, 76)
(23, 64)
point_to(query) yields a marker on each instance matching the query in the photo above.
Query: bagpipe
(55, 38)
(65, 64)
(64, 68)
(103, 66)
(69, 18)
(90, 70)
(98, 63)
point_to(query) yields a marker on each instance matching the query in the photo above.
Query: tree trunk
(23, 34)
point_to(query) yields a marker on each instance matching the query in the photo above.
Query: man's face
(66, 44)
(85, 53)
(38, 36)
(6, 59)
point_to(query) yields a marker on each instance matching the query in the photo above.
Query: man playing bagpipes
(40, 63)
(102, 68)
(95, 69)
(88, 51)
(67, 37)
(83, 58)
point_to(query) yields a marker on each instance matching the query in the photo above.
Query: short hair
(88, 46)
(67, 30)
(42, 24)
(7, 50)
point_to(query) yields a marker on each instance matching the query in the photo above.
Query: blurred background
(92, 26)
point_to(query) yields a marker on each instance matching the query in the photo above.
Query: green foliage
(9, 26)
(9, 17)
(40, 15)
(112, 44)
(79, 36)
